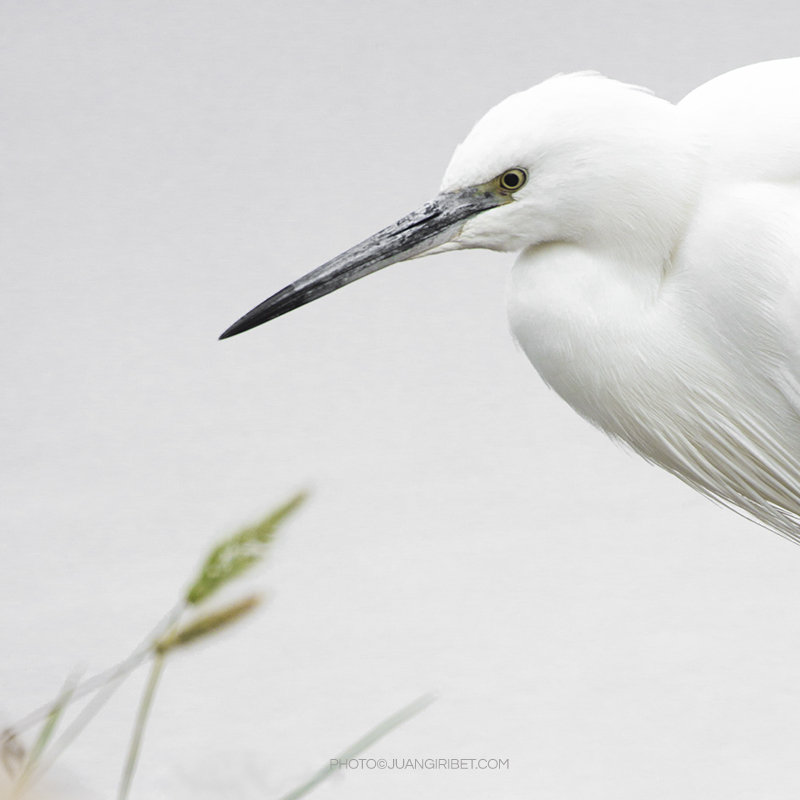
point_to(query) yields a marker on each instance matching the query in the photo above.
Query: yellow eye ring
(512, 180)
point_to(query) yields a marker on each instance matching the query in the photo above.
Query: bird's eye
(513, 179)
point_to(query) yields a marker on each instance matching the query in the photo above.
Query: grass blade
(378, 732)
(111, 675)
(57, 709)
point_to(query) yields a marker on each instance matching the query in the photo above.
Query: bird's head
(577, 158)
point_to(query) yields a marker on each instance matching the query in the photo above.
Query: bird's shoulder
(747, 122)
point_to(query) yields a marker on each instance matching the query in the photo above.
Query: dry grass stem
(12, 752)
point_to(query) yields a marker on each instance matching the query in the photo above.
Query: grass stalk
(141, 722)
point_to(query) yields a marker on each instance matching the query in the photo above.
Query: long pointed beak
(435, 224)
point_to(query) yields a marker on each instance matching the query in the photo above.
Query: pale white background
(165, 167)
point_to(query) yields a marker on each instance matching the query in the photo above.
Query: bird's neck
(588, 307)
(631, 200)
(591, 326)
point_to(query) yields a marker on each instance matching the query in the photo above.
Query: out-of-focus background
(167, 165)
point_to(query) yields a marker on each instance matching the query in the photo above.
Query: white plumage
(657, 287)
(673, 325)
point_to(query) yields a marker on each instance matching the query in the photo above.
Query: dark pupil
(511, 180)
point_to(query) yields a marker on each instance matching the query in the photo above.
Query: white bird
(657, 286)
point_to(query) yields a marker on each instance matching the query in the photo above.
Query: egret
(657, 283)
